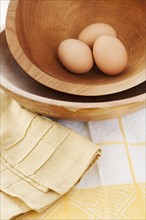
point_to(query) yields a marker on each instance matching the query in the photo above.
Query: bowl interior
(42, 25)
(14, 74)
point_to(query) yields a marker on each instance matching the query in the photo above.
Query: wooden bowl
(35, 28)
(41, 99)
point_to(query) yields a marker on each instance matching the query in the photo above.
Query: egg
(110, 55)
(89, 34)
(75, 56)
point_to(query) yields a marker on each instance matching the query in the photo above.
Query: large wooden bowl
(35, 28)
(41, 99)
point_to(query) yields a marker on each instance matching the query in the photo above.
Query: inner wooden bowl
(35, 28)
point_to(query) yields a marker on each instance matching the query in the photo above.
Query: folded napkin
(40, 159)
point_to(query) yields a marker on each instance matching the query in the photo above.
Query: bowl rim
(54, 83)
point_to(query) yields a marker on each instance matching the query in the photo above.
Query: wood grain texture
(43, 100)
(35, 28)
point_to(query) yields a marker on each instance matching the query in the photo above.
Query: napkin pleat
(34, 198)
(13, 118)
(11, 207)
(7, 177)
(2, 167)
(34, 134)
(17, 173)
(41, 153)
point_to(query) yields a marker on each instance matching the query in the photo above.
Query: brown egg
(75, 56)
(110, 55)
(89, 34)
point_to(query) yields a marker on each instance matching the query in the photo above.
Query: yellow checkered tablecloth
(114, 188)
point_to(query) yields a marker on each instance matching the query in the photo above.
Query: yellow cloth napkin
(40, 159)
(57, 169)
